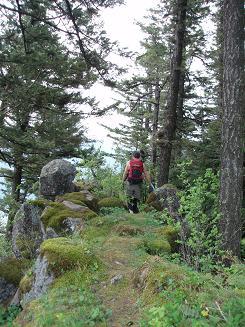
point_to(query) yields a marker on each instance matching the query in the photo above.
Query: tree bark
(16, 182)
(157, 95)
(167, 134)
(180, 114)
(231, 152)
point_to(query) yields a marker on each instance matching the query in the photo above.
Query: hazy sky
(120, 26)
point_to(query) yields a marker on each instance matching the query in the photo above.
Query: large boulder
(27, 234)
(57, 178)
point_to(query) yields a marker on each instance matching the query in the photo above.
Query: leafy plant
(199, 205)
(8, 315)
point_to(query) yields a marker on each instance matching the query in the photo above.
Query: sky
(119, 23)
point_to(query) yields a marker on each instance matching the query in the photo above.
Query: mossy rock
(125, 230)
(111, 202)
(65, 254)
(26, 283)
(56, 213)
(171, 234)
(26, 246)
(164, 197)
(156, 246)
(12, 269)
(81, 198)
(41, 203)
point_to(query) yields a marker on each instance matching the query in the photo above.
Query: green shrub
(7, 315)
(199, 205)
(243, 249)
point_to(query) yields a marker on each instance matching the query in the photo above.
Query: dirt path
(118, 292)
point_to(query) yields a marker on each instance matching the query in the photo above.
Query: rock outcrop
(27, 234)
(7, 290)
(165, 197)
(57, 178)
(37, 285)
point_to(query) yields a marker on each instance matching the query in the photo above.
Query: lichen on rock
(27, 234)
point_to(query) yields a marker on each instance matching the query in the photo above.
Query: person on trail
(134, 174)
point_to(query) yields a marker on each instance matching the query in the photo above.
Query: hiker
(134, 174)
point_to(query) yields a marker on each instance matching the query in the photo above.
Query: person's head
(136, 154)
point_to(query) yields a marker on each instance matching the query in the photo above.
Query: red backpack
(136, 169)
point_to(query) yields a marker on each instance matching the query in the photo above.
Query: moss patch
(26, 283)
(156, 246)
(12, 269)
(111, 202)
(41, 203)
(126, 230)
(66, 254)
(169, 233)
(54, 215)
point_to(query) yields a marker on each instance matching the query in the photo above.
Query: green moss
(41, 203)
(54, 215)
(26, 283)
(81, 199)
(65, 254)
(111, 202)
(124, 230)
(62, 307)
(156, 246)
(169, 233)
(12, 269)
(26, 246)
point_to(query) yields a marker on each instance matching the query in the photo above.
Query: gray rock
(7, 291)
(165, 197)
(27, 234)
(73, 206)
(73, 224)
(90, 200)
(16, 299)
(57, 178)
(50, 233)
(116, 279)
(43, 279)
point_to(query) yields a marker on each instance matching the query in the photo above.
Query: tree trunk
(167, 134)
(231, 152)
(16, 182)
(180, 114)
(157, 94)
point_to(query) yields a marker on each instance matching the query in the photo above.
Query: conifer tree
(232, 128)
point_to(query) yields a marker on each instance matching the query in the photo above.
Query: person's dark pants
(133, 192)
